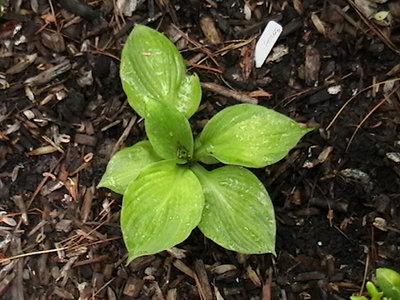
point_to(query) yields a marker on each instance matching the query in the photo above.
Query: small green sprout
(167, 192)
(388, 282)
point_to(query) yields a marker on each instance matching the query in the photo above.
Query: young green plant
(388, 282)
(167, 192)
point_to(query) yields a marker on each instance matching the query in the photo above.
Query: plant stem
(199, 170)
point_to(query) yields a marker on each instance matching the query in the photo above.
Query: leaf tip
(142, 28)
(106, 183)
(131, 258)
(102, 183)
(308, 129)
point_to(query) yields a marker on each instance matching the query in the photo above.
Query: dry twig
(218, 89)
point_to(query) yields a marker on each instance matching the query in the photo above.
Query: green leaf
(126, 165)
(169, 132)
(373, 291)
(160, 208)
(358, 298)
(152, 68)
(389, 282)
(205, 158)
(189, 95)
(238, 213)
(248, 135)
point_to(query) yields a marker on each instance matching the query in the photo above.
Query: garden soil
(63, 113)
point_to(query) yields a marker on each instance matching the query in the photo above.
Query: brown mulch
(63, 112)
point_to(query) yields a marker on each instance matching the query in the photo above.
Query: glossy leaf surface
(169, 132)
(238, 213)
(248, 135)
(160, 208)
(389, 282)
(126, 165)
(153, 68)
(189, 95)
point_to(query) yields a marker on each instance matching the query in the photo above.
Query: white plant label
(267, 40)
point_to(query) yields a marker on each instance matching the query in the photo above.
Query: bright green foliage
(166, 192)
(153, 69)
(389, 282)
(169, 132)
(248, 135)
(160, 208)
(388, 288)
(126, 165)
(238, 213)
(373, 291)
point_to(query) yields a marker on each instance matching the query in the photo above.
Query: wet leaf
(126, 165)
(248, 135)
(238, 213)
(389, 282)
(169, 132)
(189, 95)
(152, 68)
(160, 208)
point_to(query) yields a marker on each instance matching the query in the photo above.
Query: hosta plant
(388, 282)
(167, 189)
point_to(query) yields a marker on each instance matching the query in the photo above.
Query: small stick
(42, 183)
(266, 289)
(49, 74)
(199, 66)
(197, 44)
(202, 282)
(365, 273)
(124, 135)
(374, 28)
(218, 89)
(22, 255)
(355, 96)
(367, 116)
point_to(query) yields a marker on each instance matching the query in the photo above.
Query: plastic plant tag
(266, 42)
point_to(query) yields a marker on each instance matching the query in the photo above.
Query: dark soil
(63, 112)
